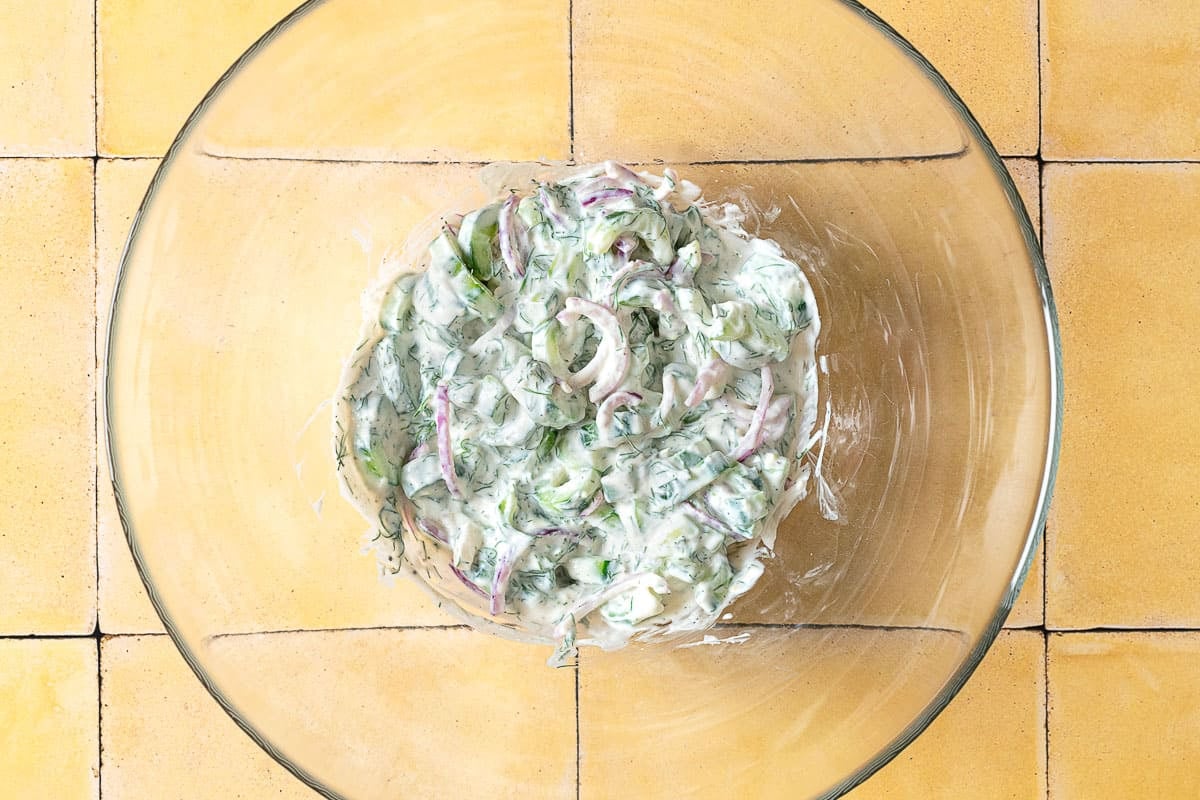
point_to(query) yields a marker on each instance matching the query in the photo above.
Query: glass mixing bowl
(351, 125)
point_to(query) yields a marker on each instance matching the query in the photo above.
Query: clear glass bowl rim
(1033, 537)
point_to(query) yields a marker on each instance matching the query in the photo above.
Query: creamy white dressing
(585, 418)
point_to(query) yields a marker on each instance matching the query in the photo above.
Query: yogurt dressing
(585, 418)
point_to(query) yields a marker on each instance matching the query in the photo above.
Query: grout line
(1046, 527)
(1039, 156)
(822, 626)
(96, 78)
(96, 379)
(1103, 629)
(339, 630)
(99, 718)
(1114, 631)
(48, 637)
(571, 78)
(1118, 631)
(1134, 162)
(350, 161)
(1041, 101)
(913, 159)
(578, 736)
(750, 162)
(96, 387)
(1046, 704)
(718, 162)
(14, 157)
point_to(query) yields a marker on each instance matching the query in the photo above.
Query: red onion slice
(504, 568)
(613, 346)
(510, 249)
(470, 584)
(709, 375)
(700, 515)
(605, 195)
(753, 438)
(441, 420)
(597, 501)
(604, 414)
(550, 205)
(556, 530)
(620, 370)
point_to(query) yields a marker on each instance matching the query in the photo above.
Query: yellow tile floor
(1093, 692)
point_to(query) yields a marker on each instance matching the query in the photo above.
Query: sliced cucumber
(589, 569)
(419, 474)
(477, 241)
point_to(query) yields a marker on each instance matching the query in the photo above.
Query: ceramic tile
(990, 741)
(642, 92)
(48, 86)
(49, 739)
(157, 58)
(385, 714)
(123, 604)
(764, 699)
(483, 81)
(988, 52)
(1120, 80)
(1125, 522)
(47, 533)
(1124, 715)
(164, 736)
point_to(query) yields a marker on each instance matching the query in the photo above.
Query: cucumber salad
(583, 419)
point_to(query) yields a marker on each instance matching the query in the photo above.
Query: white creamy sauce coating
(586, 417)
